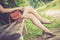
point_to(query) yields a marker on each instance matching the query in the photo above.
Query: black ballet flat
(50, 35)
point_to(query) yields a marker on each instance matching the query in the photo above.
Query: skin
(36, 19)
(31, 14)
(7, 10)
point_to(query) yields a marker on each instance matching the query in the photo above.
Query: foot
(48, 21)
(52, 20)
(50, 35)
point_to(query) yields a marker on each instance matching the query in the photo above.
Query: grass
(33, 31)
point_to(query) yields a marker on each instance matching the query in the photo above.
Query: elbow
(2, 10)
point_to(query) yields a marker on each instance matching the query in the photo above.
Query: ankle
(49, 32)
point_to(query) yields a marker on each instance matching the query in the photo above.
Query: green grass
(33, 31)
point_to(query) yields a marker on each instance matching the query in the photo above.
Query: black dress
(5, 33)
(5, 17)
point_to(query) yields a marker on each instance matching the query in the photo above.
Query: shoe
(50, 35)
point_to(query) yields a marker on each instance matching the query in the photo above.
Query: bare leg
(37, 22)
(30, 9)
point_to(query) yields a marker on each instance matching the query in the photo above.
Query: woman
(30, 13)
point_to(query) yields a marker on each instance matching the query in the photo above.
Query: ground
(57, 37)
(56, 31)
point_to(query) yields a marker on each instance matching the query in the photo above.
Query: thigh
(29, 16)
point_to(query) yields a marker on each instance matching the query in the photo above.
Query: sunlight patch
(52, 12)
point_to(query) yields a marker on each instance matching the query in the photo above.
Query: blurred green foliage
(33, 3)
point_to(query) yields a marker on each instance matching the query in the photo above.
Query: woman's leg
(34, 12)
(37, 22)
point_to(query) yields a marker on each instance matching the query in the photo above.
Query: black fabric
(15, 36)
(3, 4)
(4, 17)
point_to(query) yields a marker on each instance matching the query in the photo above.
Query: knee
(31, 16)
(28, 7)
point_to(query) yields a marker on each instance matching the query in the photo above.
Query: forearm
(7, 10)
